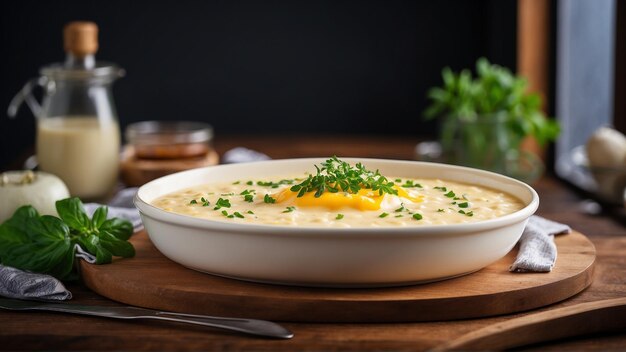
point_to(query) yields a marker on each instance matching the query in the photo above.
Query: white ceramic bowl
(345, 257)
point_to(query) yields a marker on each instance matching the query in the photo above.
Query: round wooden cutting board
(153, 281)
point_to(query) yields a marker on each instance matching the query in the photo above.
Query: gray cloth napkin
(121, 206)
(15, 283)
(21, 284)
(242, 155)
(537, 251)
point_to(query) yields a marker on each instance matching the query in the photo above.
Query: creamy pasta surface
(272, 201)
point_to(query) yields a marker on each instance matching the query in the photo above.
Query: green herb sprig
(46, 244)
(335, 175)
(495, 89)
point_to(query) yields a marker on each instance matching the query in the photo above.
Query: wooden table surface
(51, 331)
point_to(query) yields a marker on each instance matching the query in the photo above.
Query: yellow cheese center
(364, 199)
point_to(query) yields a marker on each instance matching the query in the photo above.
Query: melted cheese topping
(436, 202)
(364, 199)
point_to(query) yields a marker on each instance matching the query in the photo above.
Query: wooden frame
(533, 53)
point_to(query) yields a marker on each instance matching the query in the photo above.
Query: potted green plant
(485, 119)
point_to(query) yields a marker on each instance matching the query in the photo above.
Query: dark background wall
(262, 66)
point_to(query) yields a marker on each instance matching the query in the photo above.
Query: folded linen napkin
(242, 155)
(15, 283)
(537, 251)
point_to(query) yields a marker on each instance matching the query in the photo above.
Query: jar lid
(80, 38)
(168, 132)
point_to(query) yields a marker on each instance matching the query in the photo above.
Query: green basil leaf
(72, 211)
(21, 217)
(92, 244)
(13, 230)
(37, 244)
(99, 216)
(47, 229)
(116, 246)
(89, 243)
(120, 228)
(65, 267)
(51, 258)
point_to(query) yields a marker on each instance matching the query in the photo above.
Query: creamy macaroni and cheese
(291, 201)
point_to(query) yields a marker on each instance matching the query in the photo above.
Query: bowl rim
(147, 209)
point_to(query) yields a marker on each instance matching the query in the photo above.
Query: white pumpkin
(39, 189)
(606, 148)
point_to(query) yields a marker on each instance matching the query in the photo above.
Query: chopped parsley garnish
(250, 212)
(249, 183)
(442, 189)
(398, 180)
(339, 217)
(205, 202)
(248, 195)
(417, 216)
(463, 205)
(236, 182)
(336, 175)
(193, 201)
(274, 184)
(399, 216)
(450, 194)
(401, 209)
(268, 199)
(227, 194)
(383, 215)
(222, 203)
(440, 210)
(233, 215)
(469, 213)
(289, 209)
(411, 184)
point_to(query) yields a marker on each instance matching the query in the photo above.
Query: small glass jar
(156, 149)
(487, 142)
(170, 139)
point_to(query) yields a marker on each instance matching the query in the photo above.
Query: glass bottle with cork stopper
(78, 136)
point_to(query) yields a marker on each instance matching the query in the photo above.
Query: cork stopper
(80, 38)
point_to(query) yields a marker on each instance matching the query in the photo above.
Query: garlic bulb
(39, 189)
